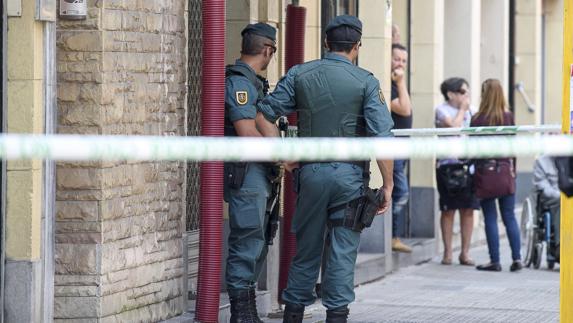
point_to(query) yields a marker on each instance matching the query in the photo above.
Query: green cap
(261, 29)
(345, 20)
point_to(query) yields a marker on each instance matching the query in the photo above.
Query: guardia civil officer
(334, 98)
(247, 185)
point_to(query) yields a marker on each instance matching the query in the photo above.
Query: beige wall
(427, 61)
(312, 45)
(495, 41)
(400, 18)
(553, 10)
(462, 19)
(375, 53)
(24, 115)
(528, 68)
(528, 58)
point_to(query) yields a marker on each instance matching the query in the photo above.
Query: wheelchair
(538, 231)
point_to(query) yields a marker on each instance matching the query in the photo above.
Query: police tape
(493, 130)
(172, 148)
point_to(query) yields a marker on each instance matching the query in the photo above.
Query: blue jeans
(400, 196)
(506, 206)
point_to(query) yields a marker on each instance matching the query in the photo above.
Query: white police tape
(493, 130)
(84, 148)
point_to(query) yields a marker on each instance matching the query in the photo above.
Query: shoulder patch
(242, 97)
(382, 99)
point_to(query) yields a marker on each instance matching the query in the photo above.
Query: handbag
(494, 178)
(564, 167)
(456, 179)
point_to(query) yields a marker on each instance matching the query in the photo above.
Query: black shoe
(294, 313)
(339, 315)
(253, 305)
(516, 266)
(242, 307)
(489, 267)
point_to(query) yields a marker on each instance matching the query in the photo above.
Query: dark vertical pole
(511, 79)
(294, 49)
(211, 178)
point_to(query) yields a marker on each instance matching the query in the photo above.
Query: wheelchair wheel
(528, 235)
(538, 254)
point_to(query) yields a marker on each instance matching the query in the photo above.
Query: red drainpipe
(294, 48)
(211, 176)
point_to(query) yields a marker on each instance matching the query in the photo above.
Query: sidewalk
(435, 293)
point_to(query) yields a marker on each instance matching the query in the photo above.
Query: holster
(358, 213)
(274, 175)
(235, 174)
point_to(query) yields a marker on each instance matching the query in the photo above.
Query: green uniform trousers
(322, 186)
(247, 220)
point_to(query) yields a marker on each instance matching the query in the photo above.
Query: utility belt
(358, 163)
(358, 213)
(365, 165)
(235, 173)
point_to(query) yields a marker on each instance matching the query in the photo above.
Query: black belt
(351, 162)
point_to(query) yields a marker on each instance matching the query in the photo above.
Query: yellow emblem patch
(382, 99)
(242, 97)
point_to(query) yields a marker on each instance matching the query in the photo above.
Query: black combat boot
(339, 315)
(253, 305)
(241, 309)
(293, 313)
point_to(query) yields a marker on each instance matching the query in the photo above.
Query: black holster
(274, 175)
(235, 174)
(359, 213)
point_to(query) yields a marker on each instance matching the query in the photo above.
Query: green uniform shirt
(283, 101)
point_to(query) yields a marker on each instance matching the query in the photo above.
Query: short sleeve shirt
(241, 97)
(442, 112)
(400, 122)
(445, 111)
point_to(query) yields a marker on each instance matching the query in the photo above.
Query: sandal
(446, 261)
(467, 261)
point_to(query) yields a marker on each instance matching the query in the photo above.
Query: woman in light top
(455, 112)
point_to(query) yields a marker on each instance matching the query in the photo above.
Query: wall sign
(73, 9)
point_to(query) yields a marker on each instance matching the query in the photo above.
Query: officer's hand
(385, 205)
(290, 166)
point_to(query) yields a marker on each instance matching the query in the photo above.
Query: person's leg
(507, 209)
(247, 247)
(556, 220)
(399, 195)
(338, 280)
(247, 235)
(447, 225)
(467, 227)
(399, 205)
(309, 223)
(491, 230)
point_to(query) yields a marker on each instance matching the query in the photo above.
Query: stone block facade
(119, 248)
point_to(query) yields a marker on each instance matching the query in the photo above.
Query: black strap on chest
(260, 83)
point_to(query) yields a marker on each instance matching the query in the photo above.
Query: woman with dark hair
(494, 179)
(455, 112)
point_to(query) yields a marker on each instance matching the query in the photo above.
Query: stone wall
(119, 248)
